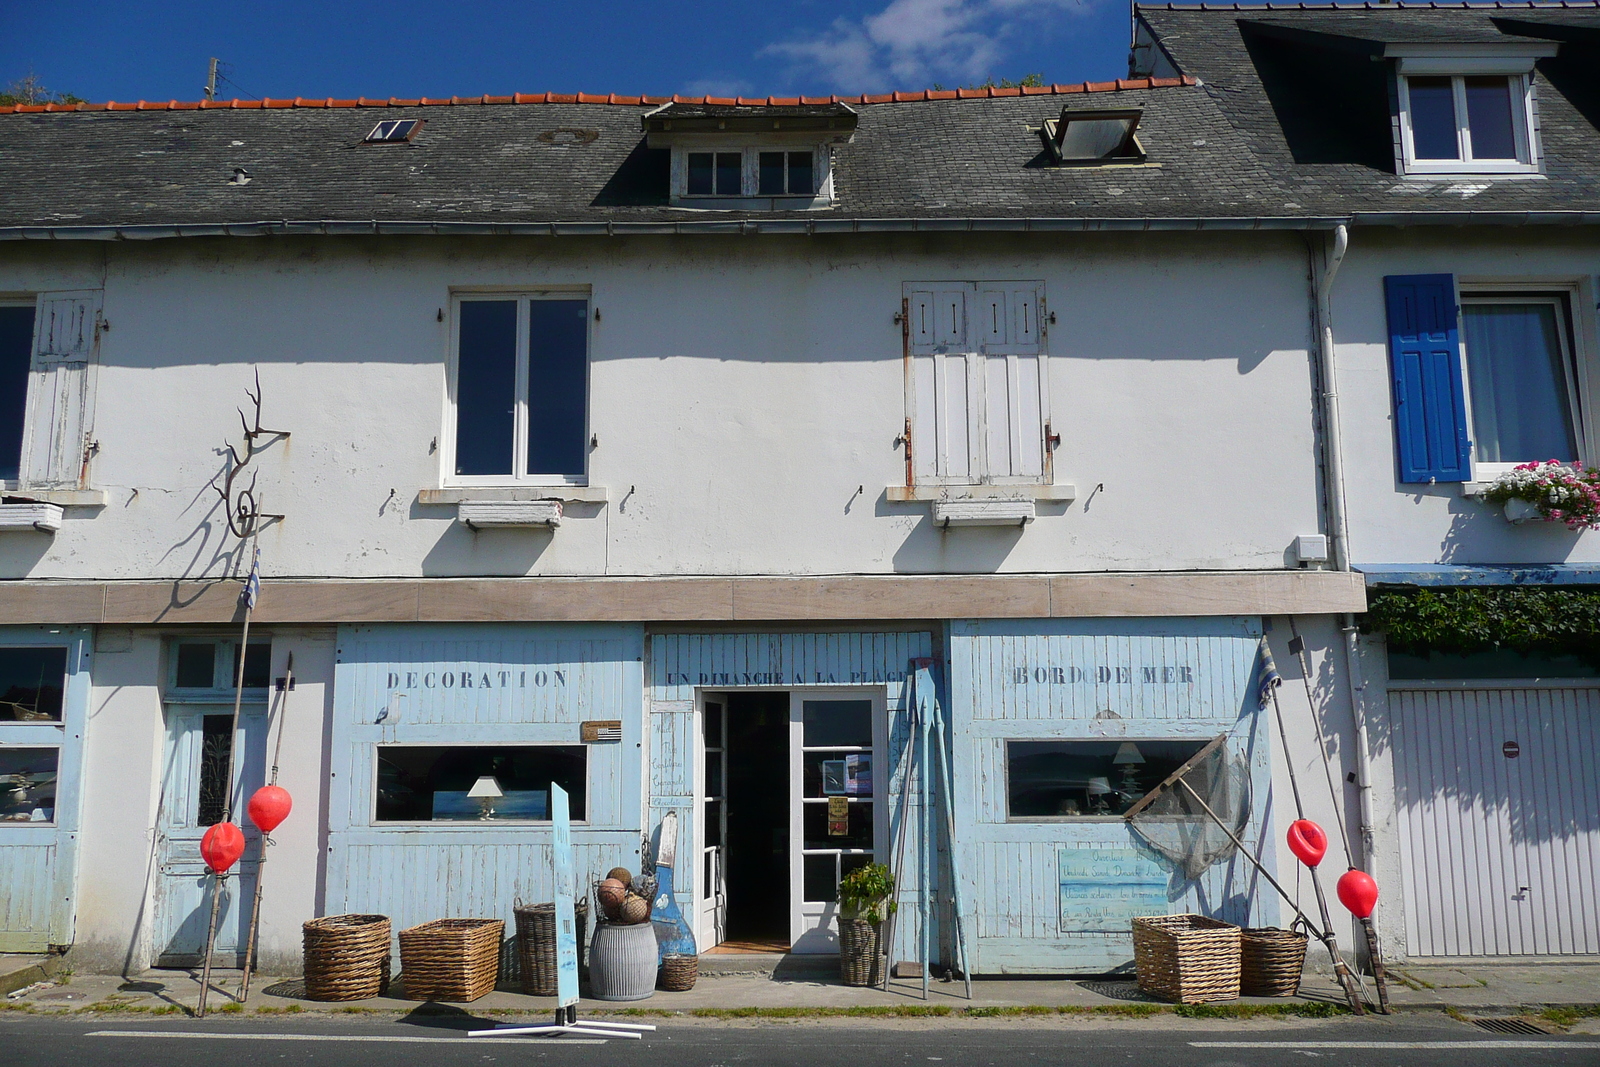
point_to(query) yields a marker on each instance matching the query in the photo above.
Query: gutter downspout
(1339, 529)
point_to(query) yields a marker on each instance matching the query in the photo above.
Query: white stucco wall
(1392, 522)
(742, 389)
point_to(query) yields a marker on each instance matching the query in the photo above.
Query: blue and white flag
(1267, 677)
(252, 584)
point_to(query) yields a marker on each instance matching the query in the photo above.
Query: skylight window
(1466, 123)
(393, 131)
(1085, 138)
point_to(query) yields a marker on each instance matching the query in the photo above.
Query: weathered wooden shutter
(943, 417)
(60, 402)
(1005, 325)
(1430, 408)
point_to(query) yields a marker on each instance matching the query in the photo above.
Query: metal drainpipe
(1340, 531)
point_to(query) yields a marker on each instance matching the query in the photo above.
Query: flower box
(1551, 491)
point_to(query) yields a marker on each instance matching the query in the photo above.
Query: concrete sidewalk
(1467, 987)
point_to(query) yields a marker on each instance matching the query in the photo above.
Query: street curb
(44, 970)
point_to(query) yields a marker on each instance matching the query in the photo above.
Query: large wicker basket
(679, 970)
(1270, 962)
(346, 957)
(1189, 959)
(860, 959)
(451, 959)
(536, 944)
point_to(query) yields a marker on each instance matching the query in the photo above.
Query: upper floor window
(16, 353)
(1466, 123)
(47, 354)
(1521, 382)
(978, 396)
(755, 171)
(519, 386)
(208, 664)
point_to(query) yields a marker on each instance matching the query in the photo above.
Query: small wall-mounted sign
(1511, 749)
(838, 816)
(600, 730)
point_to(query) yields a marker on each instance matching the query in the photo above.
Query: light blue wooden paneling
(39, 863)
(1094, 679)
(531, 684)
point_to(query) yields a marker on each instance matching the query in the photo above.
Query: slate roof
(1320, 119)
(943, 157)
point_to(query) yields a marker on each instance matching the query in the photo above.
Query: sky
(408, 48)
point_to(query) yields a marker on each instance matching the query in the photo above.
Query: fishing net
(1173, 821)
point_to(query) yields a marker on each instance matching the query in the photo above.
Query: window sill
(753, 203)
(67, 498)
(907, 494)
(43, 518)
(567, 494)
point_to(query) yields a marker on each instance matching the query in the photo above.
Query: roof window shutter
(1430, 409)
(60, 407)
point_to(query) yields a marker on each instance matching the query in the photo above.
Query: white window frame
(12, 484)
(973, 353)
(750, 174)
(519, 428)
(1523, 121)
(1574, 305)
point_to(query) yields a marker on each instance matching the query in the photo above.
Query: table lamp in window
(1129, 758)
(486, 791)
(1098, 789)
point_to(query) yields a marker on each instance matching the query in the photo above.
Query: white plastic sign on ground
(566, 933)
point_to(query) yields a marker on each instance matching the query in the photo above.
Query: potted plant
(865, 900)
(1552, 490)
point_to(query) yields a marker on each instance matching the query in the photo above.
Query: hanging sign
(566, 928)
(838, 816)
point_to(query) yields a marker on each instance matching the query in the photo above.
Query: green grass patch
(860, 1011)
(1570, 1014)
(1316, 1009)
(231, 1007)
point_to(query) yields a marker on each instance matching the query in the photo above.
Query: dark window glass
(216, 742)
(729, 168)
(800, 183)
(770, 182)
(28, 784)
(837, 722)
(486, 386)
(821, 878)
(1433, 119)
(1520, 407)
(1489, 118)
(713, 725)
(16, 355)
(197, 666)
(430, 783)
(713, 825)
(836, 774)
(31, 681)
(1052, 778)
(558, 385)
(700, 169)
(1492, 663)
(714, 775)
(814, 821)
(257, 666)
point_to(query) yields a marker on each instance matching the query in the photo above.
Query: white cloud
(913, 43)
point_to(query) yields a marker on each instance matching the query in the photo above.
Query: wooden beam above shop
(690, 599)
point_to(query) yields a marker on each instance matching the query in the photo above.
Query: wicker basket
(346, 957)
(1270, 962)
(860, 962)
(679, 971)
(536, 944)
(1188, 959)
(451, 959)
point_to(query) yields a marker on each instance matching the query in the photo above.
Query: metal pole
(1380, 979)
(218, 883)
(261, 864)
(925, 824)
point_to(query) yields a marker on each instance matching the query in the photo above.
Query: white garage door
(1499, 803)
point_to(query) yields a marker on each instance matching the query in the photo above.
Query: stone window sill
(567, 494)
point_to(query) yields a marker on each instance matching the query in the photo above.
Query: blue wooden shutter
(1430, 409)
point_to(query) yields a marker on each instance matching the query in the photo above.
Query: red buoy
(1307, 841)
(269, 807)
(1358, 892)
(222, 846)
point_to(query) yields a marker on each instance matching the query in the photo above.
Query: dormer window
(1087, 138)
(775, 157)
(1466, 123)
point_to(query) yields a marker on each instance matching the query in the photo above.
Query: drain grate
(1513, 1024)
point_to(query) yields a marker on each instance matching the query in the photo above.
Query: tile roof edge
(921, 95)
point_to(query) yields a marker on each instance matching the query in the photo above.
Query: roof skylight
(393, 131)
(1084, 138)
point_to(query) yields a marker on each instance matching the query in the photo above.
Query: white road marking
(1398, 1044)
(376, 1038)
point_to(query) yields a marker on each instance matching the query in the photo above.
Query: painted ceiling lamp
(1129, 758)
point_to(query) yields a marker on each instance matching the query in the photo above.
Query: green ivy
(1467, 619)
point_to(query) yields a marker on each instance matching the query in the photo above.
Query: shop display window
(31, 684)
(1078, 779)
(28, 784)
(478, 783)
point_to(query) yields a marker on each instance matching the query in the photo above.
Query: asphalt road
(74, 1042)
